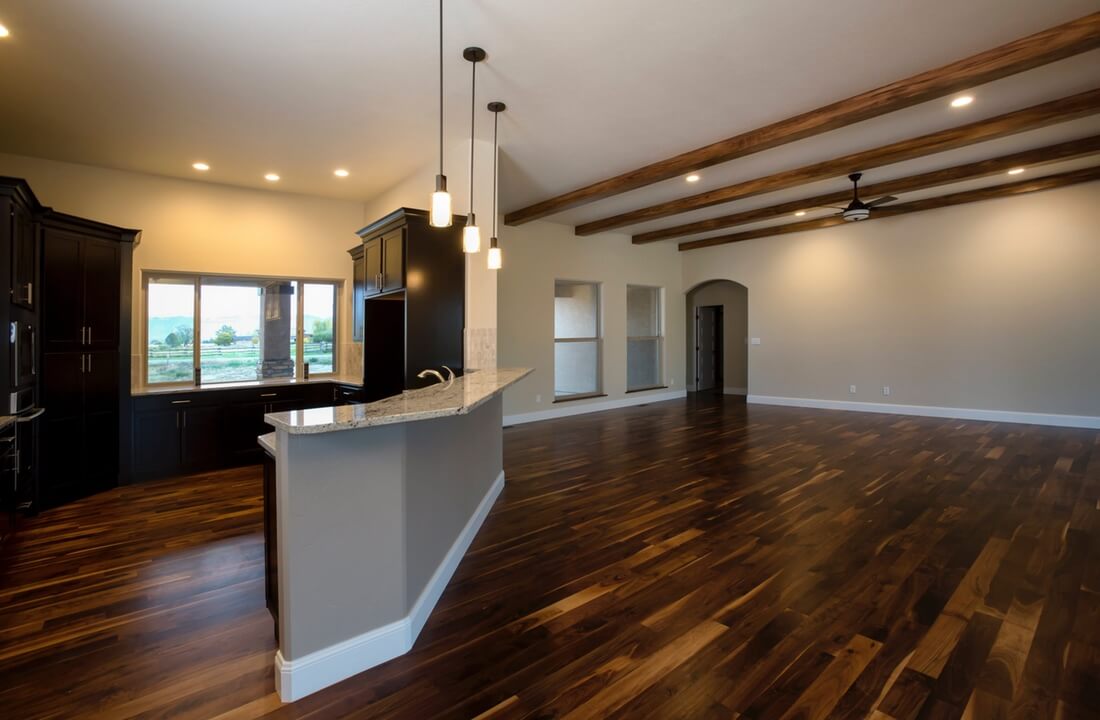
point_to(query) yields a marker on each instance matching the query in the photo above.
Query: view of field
(239, 361)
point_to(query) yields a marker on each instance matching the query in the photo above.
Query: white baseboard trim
(294, 679)
(735, 391)
(581, 407)
(1008, 416)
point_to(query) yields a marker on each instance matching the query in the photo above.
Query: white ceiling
(593, 88)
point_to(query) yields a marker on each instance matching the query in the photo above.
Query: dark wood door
(372, 257)
(358, 293)
(200, 441)
(24, 257)
(102, 285)
(101, 382)
(393, 260)
(62, 306)
(157, 443)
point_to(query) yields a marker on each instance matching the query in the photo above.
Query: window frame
(196, 279)
(659, 337)
(598, 340)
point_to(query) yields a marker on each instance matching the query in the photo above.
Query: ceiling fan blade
(882, 200)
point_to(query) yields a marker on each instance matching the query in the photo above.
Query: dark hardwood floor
(699, 559)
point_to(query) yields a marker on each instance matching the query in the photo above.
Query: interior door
(705, 344)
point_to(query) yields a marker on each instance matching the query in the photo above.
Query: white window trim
(659, 337)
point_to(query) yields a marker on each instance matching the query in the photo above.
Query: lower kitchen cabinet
(185, 432)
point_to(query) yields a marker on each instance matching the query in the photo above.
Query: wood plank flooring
(700, 559)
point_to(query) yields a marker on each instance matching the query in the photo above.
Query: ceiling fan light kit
(857, 209)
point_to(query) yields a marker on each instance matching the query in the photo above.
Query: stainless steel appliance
(20, 471)
(21, 337)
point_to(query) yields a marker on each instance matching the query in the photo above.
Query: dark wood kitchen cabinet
(85, 356)
(24, 256)
(358, 291)
(183, 432)
(415, 295)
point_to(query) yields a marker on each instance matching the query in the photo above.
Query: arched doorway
(717, 338)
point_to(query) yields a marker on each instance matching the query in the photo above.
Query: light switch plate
(756, 341)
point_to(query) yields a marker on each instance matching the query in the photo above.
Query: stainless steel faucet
(435, 373)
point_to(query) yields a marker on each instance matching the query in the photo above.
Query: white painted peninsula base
(372, 523)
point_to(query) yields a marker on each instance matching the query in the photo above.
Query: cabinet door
(157, 443)
(358, 294)
(62, 426)
(393, 260)
(244, 422)
(24, 257)
(372, 255)
(100, 382)
(200, 443)
(102, 265)
(101, 441)
(62, 306)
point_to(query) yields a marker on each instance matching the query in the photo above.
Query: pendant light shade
(440, 212)
(495, 259)
(471, 235)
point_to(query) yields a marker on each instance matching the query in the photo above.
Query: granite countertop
(435, 401)
(142, 390)
(267, 442)
(6, 420)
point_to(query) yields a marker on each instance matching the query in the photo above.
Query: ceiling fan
(857, 209)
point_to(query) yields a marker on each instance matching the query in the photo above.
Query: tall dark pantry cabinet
(85, 346)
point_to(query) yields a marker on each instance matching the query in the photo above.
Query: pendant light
(440, 215)
(494, 252)
(471, 235)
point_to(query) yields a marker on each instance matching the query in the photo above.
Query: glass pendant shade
(471, 236)
(495, 260)
(441, 204)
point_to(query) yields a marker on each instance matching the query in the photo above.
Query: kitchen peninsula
(368, 516)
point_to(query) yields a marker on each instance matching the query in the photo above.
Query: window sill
(651, 387)
(569, 398)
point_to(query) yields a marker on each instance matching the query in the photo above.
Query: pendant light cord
(496, 120)
(440, 87)
(473, 101)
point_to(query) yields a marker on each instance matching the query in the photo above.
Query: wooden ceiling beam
(960, 173)
(1044, 47)
(997, 191)
(1034, 117)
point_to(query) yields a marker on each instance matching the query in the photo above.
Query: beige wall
(735, 329)
(992, 306)
(537, 254)
(200, 226)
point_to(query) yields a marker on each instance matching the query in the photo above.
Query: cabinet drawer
(175, 401)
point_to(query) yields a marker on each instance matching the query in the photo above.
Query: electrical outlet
(755, 341)
(538, 398)
(885, 389)
(852, 389)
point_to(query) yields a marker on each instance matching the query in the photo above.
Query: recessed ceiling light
(200, 166)
(962, 101)
(1015, 171)
(341, 172)
(692, 178)
(271, 177)
(4, 31)
(799, 213)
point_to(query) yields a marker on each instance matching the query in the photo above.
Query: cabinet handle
(177, 419)
(89, 360)
(83, 332)
(269, 394)
(30, 293)
(89, 334)
(184, 413)
(180, 402)
(81, 363)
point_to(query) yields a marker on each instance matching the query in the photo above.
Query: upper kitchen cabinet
(83, 274)
(358, 290)
(413, 302)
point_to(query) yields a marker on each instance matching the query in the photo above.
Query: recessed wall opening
(717, 328)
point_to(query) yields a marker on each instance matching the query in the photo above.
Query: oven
(21, 341)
